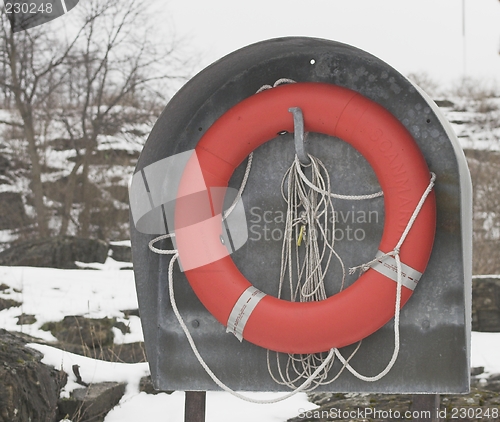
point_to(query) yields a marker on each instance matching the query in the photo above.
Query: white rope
(395, 353)
(336, 195)
(397, 310)
(226, 213)
(409, 225)
(277, 83)
(202, 362)
(242, 187)
(309, 221)
(240, 191)
(162, 251)
(309, 209)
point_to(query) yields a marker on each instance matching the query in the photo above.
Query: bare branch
(15, 124)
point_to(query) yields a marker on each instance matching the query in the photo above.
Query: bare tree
(114, 69)
(30, 63)
(94, 82)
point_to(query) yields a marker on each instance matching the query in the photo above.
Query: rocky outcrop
(120, 252)
(486, 304)
(92, 333)
(341, 407)
(8, 303)
(57, 252)
(94, 338)
(12, 213)
(92, 403)
(29, 390)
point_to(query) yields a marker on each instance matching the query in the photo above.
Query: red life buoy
(366, 305)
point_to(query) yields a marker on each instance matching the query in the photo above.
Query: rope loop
(162, 251)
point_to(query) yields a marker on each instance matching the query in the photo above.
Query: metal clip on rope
(298, 134)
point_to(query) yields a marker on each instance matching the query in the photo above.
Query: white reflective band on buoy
(387, 266)
(242, 310)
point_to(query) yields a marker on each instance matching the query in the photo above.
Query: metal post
(194, 410)
(425, 407)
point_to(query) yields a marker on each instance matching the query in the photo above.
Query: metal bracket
(298, 124)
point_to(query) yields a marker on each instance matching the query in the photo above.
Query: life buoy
(366, 305)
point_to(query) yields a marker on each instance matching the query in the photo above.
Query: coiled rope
(304, 268)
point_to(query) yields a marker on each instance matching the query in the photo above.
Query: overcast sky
(410, 35)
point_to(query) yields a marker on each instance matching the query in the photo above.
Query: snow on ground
(485, 351)
(50, 294)
(135, 406)
(220, 407)
(475, 129)
(92, 370)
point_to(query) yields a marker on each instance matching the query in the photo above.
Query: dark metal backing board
(435, 324)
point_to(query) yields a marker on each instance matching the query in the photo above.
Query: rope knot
(303, 218)
(363, 268)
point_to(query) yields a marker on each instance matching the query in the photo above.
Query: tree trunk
(69, 196)
(36, 177)
(24, 108)
(87, 200)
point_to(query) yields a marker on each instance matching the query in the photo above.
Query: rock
(444, 103)
(92, 403)
(12, 214)
(55, 190)
(124, 328)
(477, 371)
(57, 252)
(494, 377)
(491, 386)
(146, 386)
(25, 319)
(120, 252)
(116, 156)
(342, 407)
(476, 398)
(131, 312)
(491, 383)
(92, 333)
(94, 338)
(486, 304)
(110, 222)
(126, 353)
(8, 303)
(29, 390)
(4, 302)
